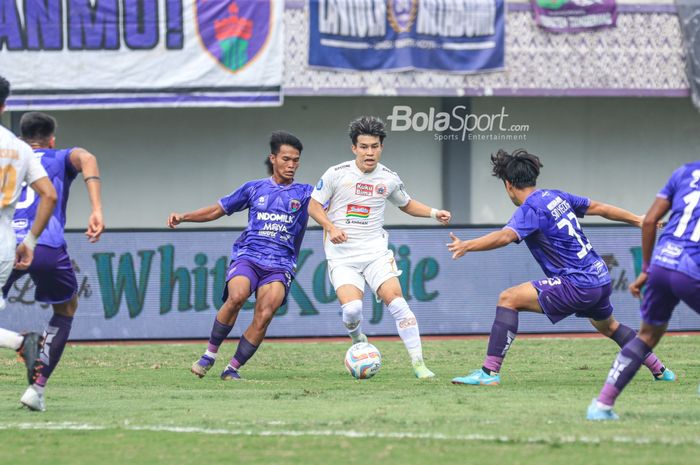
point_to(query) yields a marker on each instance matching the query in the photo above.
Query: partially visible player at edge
(18, 165)
(355, 243)
(52, 270)
(264, 257)
(578, 282)
(671, 272)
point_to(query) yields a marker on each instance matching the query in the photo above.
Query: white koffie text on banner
(462, 36)
(66, 54)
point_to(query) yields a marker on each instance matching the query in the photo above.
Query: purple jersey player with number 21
(263, 259)
(577, 283)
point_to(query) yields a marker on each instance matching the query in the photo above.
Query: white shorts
(373, 269)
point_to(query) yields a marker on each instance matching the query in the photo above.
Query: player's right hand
(23, 257)
(174, 219)
(456, 247)
(636, 287)
(337, 236)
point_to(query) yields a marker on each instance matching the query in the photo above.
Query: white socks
(407, 326)
(352, 317)
(211, 354)
(10, 339)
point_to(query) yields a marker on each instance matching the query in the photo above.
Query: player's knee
(508, 299)
(352, 312)
(237, 298)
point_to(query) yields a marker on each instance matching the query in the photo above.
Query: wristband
(645, 267)
(30, 241)
(433, 213)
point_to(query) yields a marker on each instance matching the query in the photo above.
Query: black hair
(268, 166)
(280, 138)
(37, 126)
(4, 90)
(519, 168)
(367, 126)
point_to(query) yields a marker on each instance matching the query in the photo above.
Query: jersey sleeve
(399, 196)
(524, 222)
(671, 186)
(237, 200)
(324, 188)
(35, 170)
(71, 171)
(579, 204)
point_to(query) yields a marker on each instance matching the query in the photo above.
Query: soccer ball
(363, 360)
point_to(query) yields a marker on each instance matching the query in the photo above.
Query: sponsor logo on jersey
(20, 223)
(382, 190)
(357, 211)
(342, 167)
(261, 200)
(294, 205)
(283, 217)
(319, 185)
(364, 189)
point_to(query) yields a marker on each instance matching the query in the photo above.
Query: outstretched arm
(416, 208)
(614, 213)
(316, 211)
(86, 163)
(492, 240)
(649, 226)
(203, 215)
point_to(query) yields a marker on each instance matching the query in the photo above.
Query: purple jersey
(548, 222)
(61, 172)
(277, 217)
(679, 244)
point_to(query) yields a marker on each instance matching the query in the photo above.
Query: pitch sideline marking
(68, 426)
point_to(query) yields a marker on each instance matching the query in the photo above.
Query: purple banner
(574, 15)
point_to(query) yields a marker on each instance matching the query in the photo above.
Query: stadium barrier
(167, 285)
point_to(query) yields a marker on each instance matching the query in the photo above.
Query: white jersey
(18, 164)
(355, 203)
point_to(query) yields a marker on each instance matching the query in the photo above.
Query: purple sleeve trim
(514, 230)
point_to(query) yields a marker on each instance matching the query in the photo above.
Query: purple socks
(55, 338)
(243, 353)
(623, 370)
(219, 332)
(625, 334)
(503, 332)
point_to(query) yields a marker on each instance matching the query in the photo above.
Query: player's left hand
(456, 247)
(443, 216)
(95, 227)
(636, 287)
(23, 257)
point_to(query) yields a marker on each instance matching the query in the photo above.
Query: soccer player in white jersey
(17, 165)
(355, 242)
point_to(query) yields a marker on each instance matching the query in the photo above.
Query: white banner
(64, 54)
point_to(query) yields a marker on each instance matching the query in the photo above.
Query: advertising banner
(65, 54)
(462, 36)
(167, 285)
(574, 15)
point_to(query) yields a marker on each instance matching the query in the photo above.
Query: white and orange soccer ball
(363, 360)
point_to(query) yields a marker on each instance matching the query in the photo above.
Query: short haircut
(4, 90)
(519, 168)
(37, 126)
(280, 138)
(367, 126)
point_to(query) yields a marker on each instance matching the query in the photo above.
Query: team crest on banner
(234, 31)
(402, 14)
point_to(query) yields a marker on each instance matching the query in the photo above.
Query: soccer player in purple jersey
(578, 282)
(263, 259)
(52, 270)
(671, 274)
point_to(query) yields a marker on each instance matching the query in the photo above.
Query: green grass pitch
(140, 404)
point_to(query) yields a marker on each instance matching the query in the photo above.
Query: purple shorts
(665, 289)
(52, 273)
(258, 276)
(559, 298)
